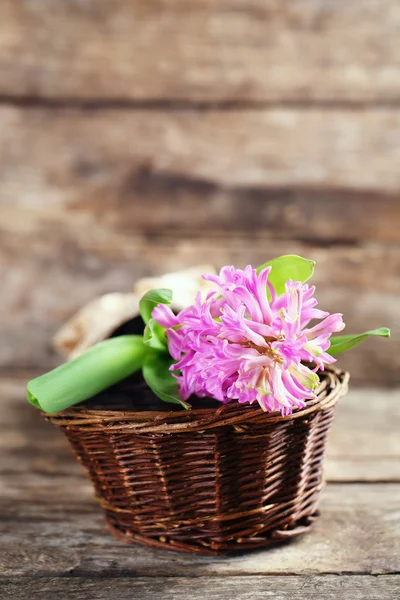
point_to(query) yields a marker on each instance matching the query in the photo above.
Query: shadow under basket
(211, 480)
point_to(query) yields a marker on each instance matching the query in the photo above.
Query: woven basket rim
(333, 386)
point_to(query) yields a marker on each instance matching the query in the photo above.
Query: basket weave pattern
(209, 481)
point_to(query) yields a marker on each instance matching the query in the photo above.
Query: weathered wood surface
(73, 156)
(320, 50)
(51, 526)
(364, 444)
(329, 587)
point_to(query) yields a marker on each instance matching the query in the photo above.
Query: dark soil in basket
(133, 393)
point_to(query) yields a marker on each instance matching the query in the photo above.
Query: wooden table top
(53, 540)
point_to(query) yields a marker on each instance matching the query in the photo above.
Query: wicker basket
(210, 480)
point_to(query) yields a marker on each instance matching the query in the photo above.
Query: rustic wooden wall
(144, 136)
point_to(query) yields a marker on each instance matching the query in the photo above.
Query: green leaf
(289, 266)
(341, 343)
(97, 369)
(154, 336)
(151, 299)
(159, 378)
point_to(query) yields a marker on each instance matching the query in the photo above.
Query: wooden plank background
(140, 137)
(232, 50)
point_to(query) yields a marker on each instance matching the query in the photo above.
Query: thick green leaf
(151, 299)
(289, 266)
(97, 369)
(154, 336)
(341, 343)
(159, 378)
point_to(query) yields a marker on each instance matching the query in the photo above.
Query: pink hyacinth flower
(237, 345)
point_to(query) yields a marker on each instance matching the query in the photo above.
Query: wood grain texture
(49, 526)
(181, 206)
(330, 587)
(239, 51)
(363, 444)
(72, 157)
